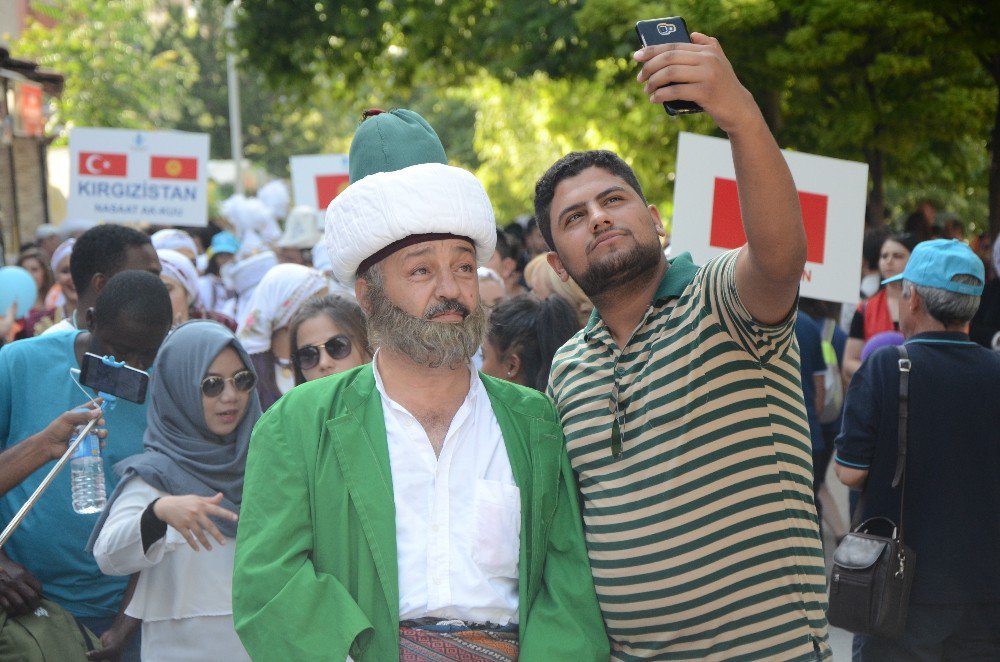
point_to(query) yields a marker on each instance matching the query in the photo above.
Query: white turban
(175, 240)
(383, 208)
(275, 196)
(250, 216)
(179, 267)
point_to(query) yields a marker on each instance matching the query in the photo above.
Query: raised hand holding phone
(698, 72)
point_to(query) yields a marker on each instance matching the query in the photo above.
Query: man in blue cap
(952, 459)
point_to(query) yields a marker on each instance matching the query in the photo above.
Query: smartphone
(121, 381)
(667, 31)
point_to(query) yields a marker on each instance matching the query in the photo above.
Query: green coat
(315, 575)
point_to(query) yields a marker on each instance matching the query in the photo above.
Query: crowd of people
(395, 430)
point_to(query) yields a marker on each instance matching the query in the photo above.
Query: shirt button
(435, 528)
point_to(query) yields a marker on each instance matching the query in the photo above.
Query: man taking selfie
(680, 400)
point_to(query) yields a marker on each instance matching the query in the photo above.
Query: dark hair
(572, 165)
(138, 294)
(906, 239)
(102, 250)
(504, 245)
(533, 330)
(343, 312)
(36, 254)
(871, 248)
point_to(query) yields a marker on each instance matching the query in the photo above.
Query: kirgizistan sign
(126, 176)
(707, 218)
(318, 178)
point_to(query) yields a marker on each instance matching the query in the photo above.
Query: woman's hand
(190, 515)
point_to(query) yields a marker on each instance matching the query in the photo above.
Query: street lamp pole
(233, 82)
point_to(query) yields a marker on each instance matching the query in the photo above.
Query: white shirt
(184, 598)
(458, 516)
(65, 324)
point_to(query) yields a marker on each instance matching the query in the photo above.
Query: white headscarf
(179, 267)
(64, 250)
(281, 291)
(174, 240)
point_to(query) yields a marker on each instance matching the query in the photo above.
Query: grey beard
(619, 269)
(422, 340)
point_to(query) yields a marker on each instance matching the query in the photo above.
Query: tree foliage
(117, 75)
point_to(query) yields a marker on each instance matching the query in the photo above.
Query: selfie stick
(16, 522)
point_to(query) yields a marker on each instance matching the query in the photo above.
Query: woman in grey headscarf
(184, 491)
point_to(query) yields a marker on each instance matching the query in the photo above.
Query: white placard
(318, 178)
(832, 194)
(126, 176)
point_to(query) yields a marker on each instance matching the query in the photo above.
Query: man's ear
(361, 292)
(657, 221)
(97, 283)
(915, 303)
(507, 266)
(557, 265)
(91, 320)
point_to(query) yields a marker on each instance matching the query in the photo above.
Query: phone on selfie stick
(667, 31)
(105, 375)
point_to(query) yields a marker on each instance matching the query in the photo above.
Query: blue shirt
(811, 363)
(35, 388)
(952, 460)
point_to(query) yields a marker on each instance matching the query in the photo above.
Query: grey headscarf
(182, 456)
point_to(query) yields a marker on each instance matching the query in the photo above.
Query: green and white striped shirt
(702, 533)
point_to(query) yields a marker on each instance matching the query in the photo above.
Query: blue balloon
(17, 285)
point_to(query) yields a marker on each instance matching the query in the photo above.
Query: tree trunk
(994, 176)
(875, 209)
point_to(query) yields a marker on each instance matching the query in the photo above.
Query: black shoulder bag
(872, 567)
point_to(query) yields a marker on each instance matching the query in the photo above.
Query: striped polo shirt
(702, 531)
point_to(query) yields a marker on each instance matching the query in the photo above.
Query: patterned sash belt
(436, 640)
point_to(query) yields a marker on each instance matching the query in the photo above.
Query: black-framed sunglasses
(213, 386)
(307, 358)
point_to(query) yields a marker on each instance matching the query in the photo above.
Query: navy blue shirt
(952, 515)
(811, 364)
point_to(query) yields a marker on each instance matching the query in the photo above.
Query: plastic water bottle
(87, 474)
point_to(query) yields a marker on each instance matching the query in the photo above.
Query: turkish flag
(727, 222)
(99, 164)
(173, 167)
(328, 187)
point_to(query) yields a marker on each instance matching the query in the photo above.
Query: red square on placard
(727, 222)
(328, 187)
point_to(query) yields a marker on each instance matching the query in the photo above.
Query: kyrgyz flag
(98, 164)
(173, 167)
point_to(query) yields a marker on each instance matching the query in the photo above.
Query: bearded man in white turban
(412, 508)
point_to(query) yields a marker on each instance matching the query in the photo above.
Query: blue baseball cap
(223, 242)
(934, 263)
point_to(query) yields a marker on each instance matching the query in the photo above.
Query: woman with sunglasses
(328, 336)
(173, 516)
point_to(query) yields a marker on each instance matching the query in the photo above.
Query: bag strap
(904, 413)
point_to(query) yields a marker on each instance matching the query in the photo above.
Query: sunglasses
(213, 386)
(307, 358)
